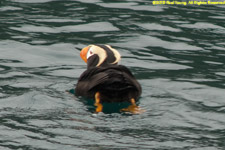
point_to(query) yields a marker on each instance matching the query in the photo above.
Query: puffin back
(113, 80)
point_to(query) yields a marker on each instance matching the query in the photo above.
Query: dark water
(176, 52)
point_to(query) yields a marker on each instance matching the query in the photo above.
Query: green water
(176, 52)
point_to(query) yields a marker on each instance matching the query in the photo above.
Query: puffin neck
(110, 55)
(92, 61)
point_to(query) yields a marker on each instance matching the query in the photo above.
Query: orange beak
(83, 53)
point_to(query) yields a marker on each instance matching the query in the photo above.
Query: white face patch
(90, 52)
(96, 50)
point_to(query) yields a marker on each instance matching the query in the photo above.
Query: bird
(105, 80)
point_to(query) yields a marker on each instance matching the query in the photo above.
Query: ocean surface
(176, 52)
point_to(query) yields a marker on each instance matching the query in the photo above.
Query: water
(176, 52)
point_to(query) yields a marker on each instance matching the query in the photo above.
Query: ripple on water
(202, 25)
(154, 26)
(137, 41)
(38, 56)
(133, 6)
(32, 1)
(88, 27)
(10, 8)
(220, 73)
(154, 65)
(89, 1)
(56, 20)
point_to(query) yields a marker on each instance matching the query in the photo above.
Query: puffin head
(100, 55)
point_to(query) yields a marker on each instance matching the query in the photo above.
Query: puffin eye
(90, 53)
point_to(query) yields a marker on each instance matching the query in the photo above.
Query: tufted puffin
(105, 80)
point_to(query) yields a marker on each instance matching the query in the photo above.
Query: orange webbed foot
(133, 108)
(98, 105)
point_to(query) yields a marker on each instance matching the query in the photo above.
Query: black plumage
(114, 82)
